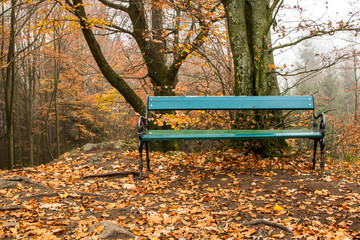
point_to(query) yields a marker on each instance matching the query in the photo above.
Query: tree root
(27, 180)
(11, 207)
(19, 170)
(267, 222)
(110, 174)
(70, 194)
(260, 221)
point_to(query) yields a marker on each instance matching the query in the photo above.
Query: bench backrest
(231, 103)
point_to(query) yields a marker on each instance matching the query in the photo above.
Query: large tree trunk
(249, 25)
(240, 42)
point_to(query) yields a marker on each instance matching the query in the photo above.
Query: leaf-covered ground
(210, 195)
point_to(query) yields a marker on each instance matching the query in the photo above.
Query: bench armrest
(142, 124)
(322, 122)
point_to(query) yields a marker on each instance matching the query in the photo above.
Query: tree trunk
(10, 88)
(57, 45)
(19, 145)
(241, 46)
(356, 91)
(248, 24)
(114, 79)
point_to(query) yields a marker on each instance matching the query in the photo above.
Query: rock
(88, 147)
(112, 231)
(103, 146)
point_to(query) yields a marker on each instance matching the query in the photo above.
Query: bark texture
(249, 23)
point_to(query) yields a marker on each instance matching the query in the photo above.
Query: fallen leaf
(129, 186)
(278, 208)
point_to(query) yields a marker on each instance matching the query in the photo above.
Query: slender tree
(10, 88)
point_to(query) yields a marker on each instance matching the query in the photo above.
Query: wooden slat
(231, 103)
(166, 135)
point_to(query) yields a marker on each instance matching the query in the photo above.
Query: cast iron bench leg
(141, 144)
(147, 155)
(322, 150)
(314, 154)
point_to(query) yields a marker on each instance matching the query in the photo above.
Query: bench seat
(168, 135)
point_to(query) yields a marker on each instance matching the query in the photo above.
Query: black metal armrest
(322, 122)
(141, 123)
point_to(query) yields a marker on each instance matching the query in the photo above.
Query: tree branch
(310, 71)
(111, 174)
(270, 223)
(113, 5)
(316, 34)
(111, 76)
(274, 13)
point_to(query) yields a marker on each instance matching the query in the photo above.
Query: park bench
(160, 103)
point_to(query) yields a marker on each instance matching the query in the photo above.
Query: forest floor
(209, 195)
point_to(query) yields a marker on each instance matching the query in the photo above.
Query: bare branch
(337, 60)
(318, 33)
(113, 5)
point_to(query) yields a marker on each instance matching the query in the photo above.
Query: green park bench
(164, 103)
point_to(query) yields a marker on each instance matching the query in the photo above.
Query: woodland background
(54, 98)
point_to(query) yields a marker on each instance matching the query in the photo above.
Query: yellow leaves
(271, 67)
(63, 194)
(195, 119)
(278, 208)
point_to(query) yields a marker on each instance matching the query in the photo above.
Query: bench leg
(314, 154)
(147, 155)
(141, 144)
(322, 150)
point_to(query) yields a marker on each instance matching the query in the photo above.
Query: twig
(56, 194)
(27, 180)
(11, 207)
(267, 222)
(110, 174)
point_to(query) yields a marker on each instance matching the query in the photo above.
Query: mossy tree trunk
(249, 23)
